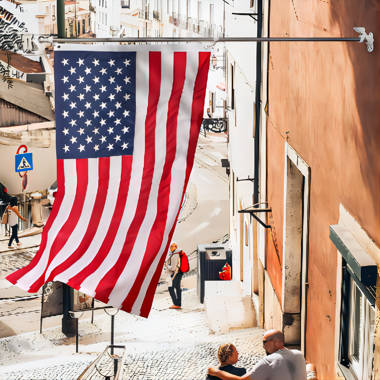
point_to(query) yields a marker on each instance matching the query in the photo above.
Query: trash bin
(211, 259)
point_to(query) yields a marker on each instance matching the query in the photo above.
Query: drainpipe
(61, 18)
(258, 101)
(68, 322)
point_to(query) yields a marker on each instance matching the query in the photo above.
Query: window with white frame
(357, 327)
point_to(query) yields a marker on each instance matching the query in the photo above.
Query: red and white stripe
(113, 218)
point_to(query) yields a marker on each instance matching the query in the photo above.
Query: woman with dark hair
(13, 215)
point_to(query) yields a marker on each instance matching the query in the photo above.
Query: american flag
(127, 127)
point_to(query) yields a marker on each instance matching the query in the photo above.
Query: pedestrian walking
(228, 356)
(176, 261)
(279, 364)
(13, 215)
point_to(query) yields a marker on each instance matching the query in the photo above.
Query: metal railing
(216, 125)
(106, 366)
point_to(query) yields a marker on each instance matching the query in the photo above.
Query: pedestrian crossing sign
(23, 162)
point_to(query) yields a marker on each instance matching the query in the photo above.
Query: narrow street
(170, 344)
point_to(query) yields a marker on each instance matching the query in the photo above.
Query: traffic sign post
(23, 161)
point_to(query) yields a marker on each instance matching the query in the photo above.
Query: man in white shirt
(279, 364)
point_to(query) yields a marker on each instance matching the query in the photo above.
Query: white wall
(242, 56)
(40, 141)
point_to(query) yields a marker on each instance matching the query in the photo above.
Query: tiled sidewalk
(169, 345)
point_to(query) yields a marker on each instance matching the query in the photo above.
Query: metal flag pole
(363, 36)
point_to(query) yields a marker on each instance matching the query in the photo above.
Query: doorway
(295, 238)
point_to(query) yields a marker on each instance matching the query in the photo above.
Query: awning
(359, 262)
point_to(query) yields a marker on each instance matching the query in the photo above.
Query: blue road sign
(23, 162)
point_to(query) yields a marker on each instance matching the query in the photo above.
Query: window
(232, 95)
(357, 304)
(125, 3)
(357, 328)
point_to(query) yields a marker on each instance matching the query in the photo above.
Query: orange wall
(327, 97)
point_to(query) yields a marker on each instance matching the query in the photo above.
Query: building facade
(323, 173)
(312, 268)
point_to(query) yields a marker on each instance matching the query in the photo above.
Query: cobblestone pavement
(190, 362)
(169, 345)
(13, 260)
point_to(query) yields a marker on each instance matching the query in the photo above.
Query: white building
(240, 87)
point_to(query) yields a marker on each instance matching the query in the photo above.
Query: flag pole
(202, 39)
(363, 37)
(69, 324)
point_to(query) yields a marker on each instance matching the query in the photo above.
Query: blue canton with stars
(95, 103)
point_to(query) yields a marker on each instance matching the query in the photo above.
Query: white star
(80, 113)
(87, 122)
(127, 96)
(87, 88)
(117, 138)
(110, 147)
(87, 105)
(81, 148)
(117, 121)
(81, 96)
(103, 88)
(111, 62)
(127, 80)
(73, 105)
(73, 139)
(110, 130)
(65, 61)
(81, 131)
(103, 139)
(102, 122)
(103, 105)
(126, 113)
(96, 97)
(73, 122)
(125, 129)
(72, 88)
(96, 147)
(118, 89)
(95, 62)
(96, 131)
(96, 79)
(72, 70)
(111, 80)
(95, 114)
(111, 113)
(88, 139)
(65, 97)
(118, 71)
(118, 105)
(65, 114)
(65, 131)
(66, 148)
(111, 97)
(103, 71)
(87, 70)
(80, 62)
(65, 79)
(124, 146)
(80, 79)
(127, 62)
